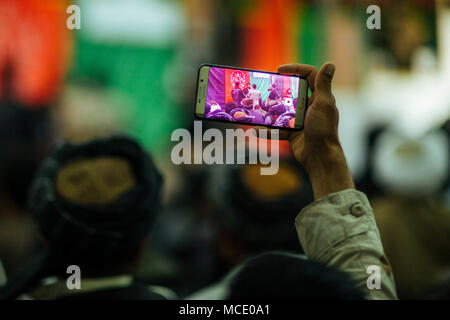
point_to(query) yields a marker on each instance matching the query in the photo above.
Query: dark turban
(90, 202)
(277, 109)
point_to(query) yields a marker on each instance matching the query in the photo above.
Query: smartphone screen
(251, 97)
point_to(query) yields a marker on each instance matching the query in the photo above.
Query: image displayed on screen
(256, 98)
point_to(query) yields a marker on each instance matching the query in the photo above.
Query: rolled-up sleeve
(339, 230)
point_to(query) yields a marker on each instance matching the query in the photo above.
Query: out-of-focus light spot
(412, 166)
(142, 22)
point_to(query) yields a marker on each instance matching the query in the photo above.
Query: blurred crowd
(86, 117)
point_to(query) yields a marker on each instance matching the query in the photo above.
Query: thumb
(324, 77)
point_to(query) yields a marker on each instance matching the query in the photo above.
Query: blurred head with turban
(254, 212)
(94, 204)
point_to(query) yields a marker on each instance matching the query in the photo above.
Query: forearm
(328, 171)
(338, 229)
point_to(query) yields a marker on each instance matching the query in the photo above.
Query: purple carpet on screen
(216, 86)
(244, 103)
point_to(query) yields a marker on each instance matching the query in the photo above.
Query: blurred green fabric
(138, 72)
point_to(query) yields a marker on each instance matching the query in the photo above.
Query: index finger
(303, 70)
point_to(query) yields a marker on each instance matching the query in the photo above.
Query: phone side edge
(201, 91)
(302, 101)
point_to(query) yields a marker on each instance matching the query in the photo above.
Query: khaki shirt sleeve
(339, 230)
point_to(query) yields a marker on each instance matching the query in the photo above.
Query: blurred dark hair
(257, 221)
(281, 276)
(439, 290)
(26, 136)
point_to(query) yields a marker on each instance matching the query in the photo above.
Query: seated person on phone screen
(247, 114)
(237, 93)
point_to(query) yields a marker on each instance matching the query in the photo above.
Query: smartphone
(251, 97)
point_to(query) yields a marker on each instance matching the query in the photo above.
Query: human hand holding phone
(317, 146)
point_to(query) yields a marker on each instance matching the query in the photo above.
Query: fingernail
(330, 68)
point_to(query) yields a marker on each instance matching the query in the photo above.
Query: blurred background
(132, 69)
